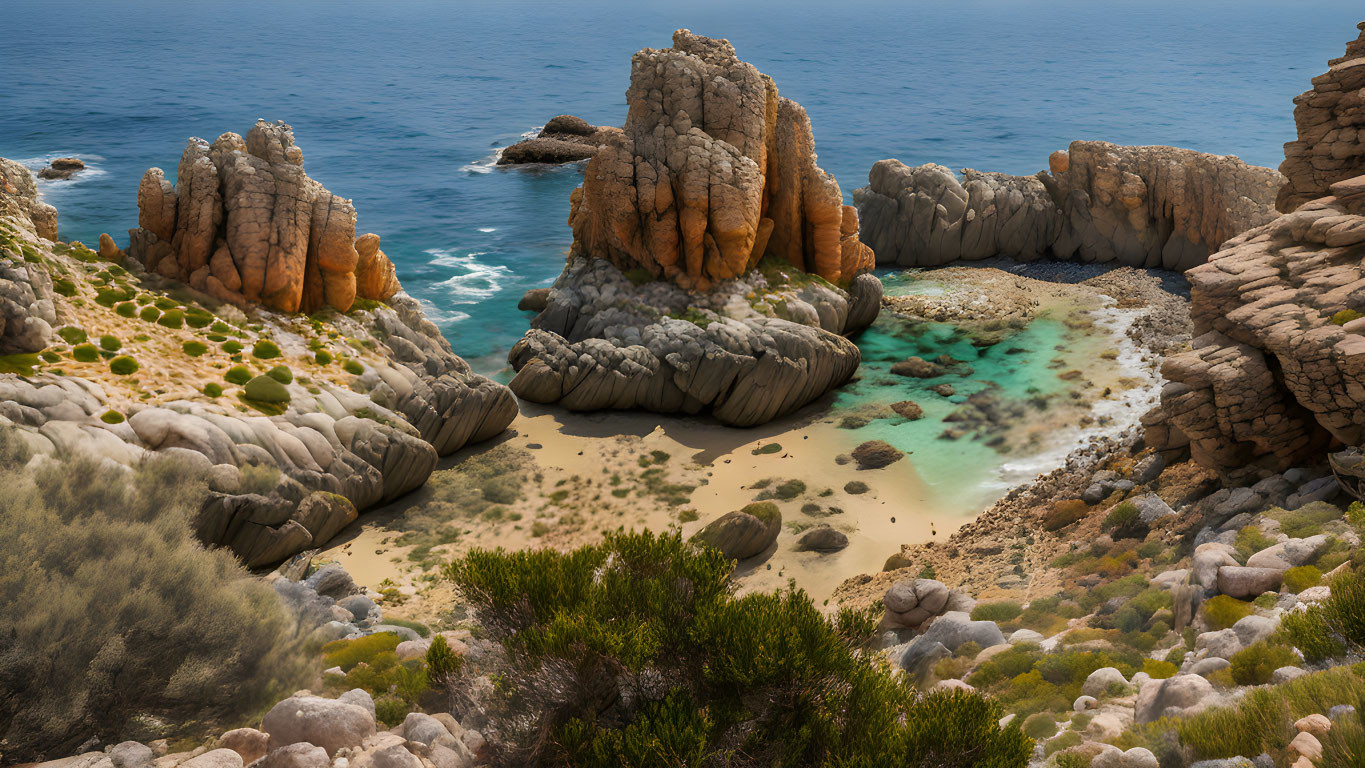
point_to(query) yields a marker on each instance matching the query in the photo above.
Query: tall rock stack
(1098, 202)
(244, 223)
(1331, 125)
(713, 171)
(1278, 360)
(714, 266)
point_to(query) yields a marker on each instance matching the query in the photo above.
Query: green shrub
(213, 389)
(323, 357)
(50, 356)
(126, 309)
(265, 389)
(111, 417)
(443, 664)
(353, 367)
(220, 327)
(1254, 664)
(197, 317)
(232, 347)
(1303, 577)
(108, 297)
(611, 618)
(64, 287)
(789, 489)
(1040, 726)
(72, 335)
(85, 353)
(172, 319)
(1123, 521)
(281, 373)
(123, 365)
(997, 612)
(114, 610)
(1159, 670)
(238, 374)
(194, 348)
(368, 649)
(1328, 628)
(265, 349)
(149, 313)
(165, 302)
(1345, 316)
(1222, 611)
(110, 343)
(1065, 741)
(1064, 513)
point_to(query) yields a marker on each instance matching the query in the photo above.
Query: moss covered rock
(264, 389)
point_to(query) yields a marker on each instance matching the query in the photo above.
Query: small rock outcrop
(1098, 202)
(62, 168)
(565, 139)
(714, 265)
(19, 200)
(246, 224)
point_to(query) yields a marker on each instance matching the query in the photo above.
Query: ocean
(402, 105)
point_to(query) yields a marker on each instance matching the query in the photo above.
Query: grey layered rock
(604, 342)
(1137, 206)
(1151, 508)
(954, 628)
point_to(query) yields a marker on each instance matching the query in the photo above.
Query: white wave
(487, 163)
(488, 229)
(473, 280)
(92, 170)
(441, 316)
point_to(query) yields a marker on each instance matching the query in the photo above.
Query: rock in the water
(875, 454)
(565, 139)
(1139, 206)
(744, 533)
(62, 168)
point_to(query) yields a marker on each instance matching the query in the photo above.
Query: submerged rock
(62, 168)
(875, 454)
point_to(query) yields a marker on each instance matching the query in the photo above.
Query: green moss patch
(150, 314)
(71, 334)
(238, 374)
(353, 367)
(85, 353)
(281, 373)
(194, 348)
(265, 389)
(112, 417)
(265, 349)
(110, 343)
(172, 319)
(123, 365)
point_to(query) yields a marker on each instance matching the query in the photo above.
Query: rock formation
(1274, 375)
(360, 404)
(712, 172)
(1331, 125)
(1137, 206)
(714, 265)
(62, 168)
(245, 224)
(565, 139)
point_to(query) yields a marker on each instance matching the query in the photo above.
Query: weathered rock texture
(605, 342)
(713, 170)
(1331, 127)
(280, 483)
(714, 266)
(565, 139)
(1137, 206)
(19, 200)
(245, 224)
(1274, 376)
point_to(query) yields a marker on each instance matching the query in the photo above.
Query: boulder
(427, 731)
(1208, 665)
(131, 754)
(62, 168)
(1151, 508)
(564, 139)
(216, 758)
(911, 603)
(384, 750)
(1098, 683)
(327, 723)
(1085, 703)
(954, 628)
(875, 454)
(300, 755)
(744, 533)
(1208, 558)
(1316, 724)
(1283, 675)
(821, 538)
(1246, 583)
(1181, 694)
(250, 743)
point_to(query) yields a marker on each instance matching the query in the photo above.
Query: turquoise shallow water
(400, 105)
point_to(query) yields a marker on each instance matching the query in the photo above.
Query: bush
(654, 661)
(114, 612)
(123, 365)
(165, 302)
(232, 347)
(265, 389)
(996, 612)
(368, 650)
(213, 389)
(1303, 577)
(1222, 611)
(110, 343)
(1124, 521)
(64, 287)
(789, 489)
(194, 348)
(237, 374)
(85, 353)
(72, 335)
(126, 309)
(323, 357)
(1254, 664)
(353, 367)
(1328, 628)
(149, 313)
(172, 319)
(281, 373)
(1064, 513)
(443, 663)
(265, 349)
(1040, 726)
(1345, 316)
(197, 317)
(1159, 670)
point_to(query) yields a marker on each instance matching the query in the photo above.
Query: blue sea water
(400, 105)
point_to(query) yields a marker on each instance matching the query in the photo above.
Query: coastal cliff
(299, 421)
(714, 265)
(1098, 202)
